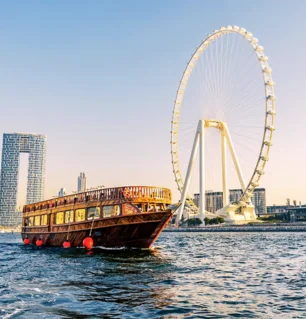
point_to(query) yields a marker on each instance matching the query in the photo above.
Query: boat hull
(133, 231)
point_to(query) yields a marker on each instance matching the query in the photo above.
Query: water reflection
(127, 278)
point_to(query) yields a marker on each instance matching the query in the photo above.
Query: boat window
(93, 212)
(159, 207)
(69, 216)
(59, 218)
(44, 219)
(80, 215)
(37, 221)
(109, 211)
(151, 208)
(31, 221)
(139, 206)
(129, 209)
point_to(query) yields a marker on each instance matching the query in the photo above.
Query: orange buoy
(66, 244)
(39, 242)
(26, 241)
(88, 242)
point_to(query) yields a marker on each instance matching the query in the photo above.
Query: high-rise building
(213, 200)
(13, 145)
(62, 192)
(82, 182)
(234, 195)
(258, 199)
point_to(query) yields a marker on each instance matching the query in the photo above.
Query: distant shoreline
(240, 228)
(10, 230)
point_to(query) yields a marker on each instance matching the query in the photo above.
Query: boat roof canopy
(150, 194)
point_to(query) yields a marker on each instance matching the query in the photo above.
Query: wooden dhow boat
(131, 216)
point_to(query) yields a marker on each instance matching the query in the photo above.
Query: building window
(93, 212)
(69, 216)
(37, 221)
(44, 220)
(59, 218)
(80, 215)
(109, 211)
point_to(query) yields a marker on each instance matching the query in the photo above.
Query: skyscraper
(62, 192)
(213, 201)
(258, 199)
(82, 182)
(234, 195)
(13, 145)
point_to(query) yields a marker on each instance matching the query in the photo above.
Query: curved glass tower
(13, 145)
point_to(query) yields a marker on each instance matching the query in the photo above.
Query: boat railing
(145, 193)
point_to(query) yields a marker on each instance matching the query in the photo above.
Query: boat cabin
(93, 205)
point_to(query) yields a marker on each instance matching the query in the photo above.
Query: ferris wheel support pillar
(201, 130)
(188, 176)
(234, 156)
(224, 169)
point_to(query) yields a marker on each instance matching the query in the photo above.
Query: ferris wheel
(227, 85)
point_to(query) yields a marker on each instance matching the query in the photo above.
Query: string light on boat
(88, 242)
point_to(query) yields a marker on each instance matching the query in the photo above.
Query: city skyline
(214, 199)
(83, 89)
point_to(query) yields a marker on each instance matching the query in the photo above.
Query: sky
(99, 78)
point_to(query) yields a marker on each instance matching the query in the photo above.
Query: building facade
(297, 214)
(13, 145)
(258, 199)
(82, 182)
(213, 200)
(234, 195)
(276, 209)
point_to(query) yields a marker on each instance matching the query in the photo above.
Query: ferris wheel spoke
(246, 86)
(247, 137)
(233, 63)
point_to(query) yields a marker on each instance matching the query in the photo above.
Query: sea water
(185, 275)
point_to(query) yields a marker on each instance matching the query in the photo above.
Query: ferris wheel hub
(213, 123)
